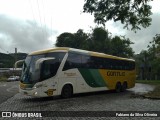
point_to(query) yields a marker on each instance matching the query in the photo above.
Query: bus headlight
(34, 87)
(35, 93)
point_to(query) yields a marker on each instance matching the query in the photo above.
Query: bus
(66, 71)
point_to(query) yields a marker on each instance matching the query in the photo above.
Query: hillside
(8, 60)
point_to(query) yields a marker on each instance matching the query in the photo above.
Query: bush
(3, 78)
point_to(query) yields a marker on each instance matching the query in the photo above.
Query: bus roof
(85, 52)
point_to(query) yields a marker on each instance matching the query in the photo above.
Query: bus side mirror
(40, 61)
(18, 62)
(39, 67)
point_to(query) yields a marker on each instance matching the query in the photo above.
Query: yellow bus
(67, 71)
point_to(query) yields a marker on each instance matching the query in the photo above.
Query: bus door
(48, 75)
(81, 85)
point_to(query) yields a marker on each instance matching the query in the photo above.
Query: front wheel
(67, 91)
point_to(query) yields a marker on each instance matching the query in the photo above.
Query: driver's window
(49, 69)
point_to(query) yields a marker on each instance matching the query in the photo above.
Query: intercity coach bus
(67, 71)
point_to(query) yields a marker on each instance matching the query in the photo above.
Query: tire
(67, 91)
(124, 87)
(118, 87)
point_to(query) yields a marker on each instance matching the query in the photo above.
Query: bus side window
(49, 69)
(85, 61)
(73, 61)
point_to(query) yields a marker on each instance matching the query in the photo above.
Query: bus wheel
(67, 91)
(124, 86)
(118, 87)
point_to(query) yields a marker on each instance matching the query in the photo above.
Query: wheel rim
(67, 92)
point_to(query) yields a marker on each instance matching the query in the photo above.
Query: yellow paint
(80, 51)
(50, 92)
(49, 50)
(108, 56)
(69, 74)
(124, 75)
(22, 86)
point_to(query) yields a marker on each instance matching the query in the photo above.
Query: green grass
(155, 94)
(3, 78)
(151, 82)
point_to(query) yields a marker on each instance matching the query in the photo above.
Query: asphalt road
(95, 102)
(12, 101)
(8, 90)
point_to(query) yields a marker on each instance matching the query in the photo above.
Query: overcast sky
(32, 25)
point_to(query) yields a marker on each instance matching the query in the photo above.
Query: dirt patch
(155, 94)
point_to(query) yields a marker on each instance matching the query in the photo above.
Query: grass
(3, 78)
(151, 82)
(155, 94)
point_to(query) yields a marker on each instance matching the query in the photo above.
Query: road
(8, 90)
(101, 101)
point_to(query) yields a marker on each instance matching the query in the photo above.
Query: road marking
(12, 88)
(3, 85)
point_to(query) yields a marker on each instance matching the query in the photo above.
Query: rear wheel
(67, 91)
(118, 87)
(124, 86)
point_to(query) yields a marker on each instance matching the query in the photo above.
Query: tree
(121, 47)
(75, 40)
(81, 40)
(149, 60)
(154, 56)
(100, 39)
(65, 40)
(129, 12)
(154, 48)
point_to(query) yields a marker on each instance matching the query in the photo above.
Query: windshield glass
(29, 74)
(29, 68)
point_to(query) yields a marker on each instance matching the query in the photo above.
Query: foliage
(129, 12)
(3, 78)
(8, 60)
(99, 40)
(151, 82)
(121, 46)
(149, 60)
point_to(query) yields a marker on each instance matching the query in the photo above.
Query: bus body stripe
(92, 77)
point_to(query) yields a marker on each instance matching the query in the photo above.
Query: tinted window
(73, 61)
(86, 62)
(50, 67)
(91, 62)
(57, 55)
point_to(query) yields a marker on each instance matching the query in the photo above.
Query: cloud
(145, 35)
(142, 37)
(26, 35)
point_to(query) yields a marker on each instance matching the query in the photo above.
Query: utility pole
(15, 59)
(15, 55)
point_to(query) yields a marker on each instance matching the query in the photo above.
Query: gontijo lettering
(112, 73)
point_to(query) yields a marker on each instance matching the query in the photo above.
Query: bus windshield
(28, 69)
(29, 74)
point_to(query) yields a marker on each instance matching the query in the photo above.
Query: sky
(31, 25)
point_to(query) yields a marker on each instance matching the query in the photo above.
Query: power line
(40, 17)
(4, 49)
(44, 18)
(41, 8)
(32, 10)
